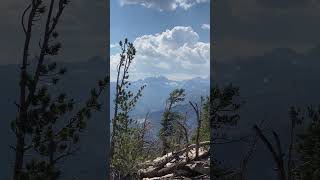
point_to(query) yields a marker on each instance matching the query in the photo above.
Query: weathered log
(170, 156)
(158, 172)
(201, 167)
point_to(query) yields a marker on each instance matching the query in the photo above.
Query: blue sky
(172, 37)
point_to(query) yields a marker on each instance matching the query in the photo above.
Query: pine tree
(42, 126)
(126, 132)
(169, 118)
(308, 143)
(223, 106)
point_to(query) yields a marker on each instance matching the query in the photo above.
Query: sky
(82, 31)
(172, 37)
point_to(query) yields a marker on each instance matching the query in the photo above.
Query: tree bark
(197, 111)
(158, 172)
(26, 98)
(20, 141)
(168, 158)
(19, 157)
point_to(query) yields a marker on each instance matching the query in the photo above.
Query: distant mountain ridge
(157, 90)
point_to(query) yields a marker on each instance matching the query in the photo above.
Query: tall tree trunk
(276, 152)
(115, 115)
(20, 141)
(197, 111)
(19, 157)
(164, 139)
(51, 157)
(198, 137)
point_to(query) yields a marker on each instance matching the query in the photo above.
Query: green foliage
(128, 153)
(205, 122)
(308, 143)
(126, 142)
(205, 128)
(169, 118)
(40, 170)
(53, 136)
(224, 106)
(43, 126)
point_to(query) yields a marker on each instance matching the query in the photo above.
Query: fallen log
(158, 172)
(160, 162)
(201, 167)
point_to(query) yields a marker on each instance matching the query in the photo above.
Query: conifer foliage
(126, 141)
(307, 143)
(48, 124)
(170, 117)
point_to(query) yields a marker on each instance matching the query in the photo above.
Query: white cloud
(164, 4)
(205, 26)
(116, 45)
(174, 51)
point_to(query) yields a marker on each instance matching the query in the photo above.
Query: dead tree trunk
(197, 110)
(186, 136)
(276, 152)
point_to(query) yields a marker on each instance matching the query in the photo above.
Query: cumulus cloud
(164, 4)
(205, 26)
(174, 51)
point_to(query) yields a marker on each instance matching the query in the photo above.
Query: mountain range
(157, 90)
